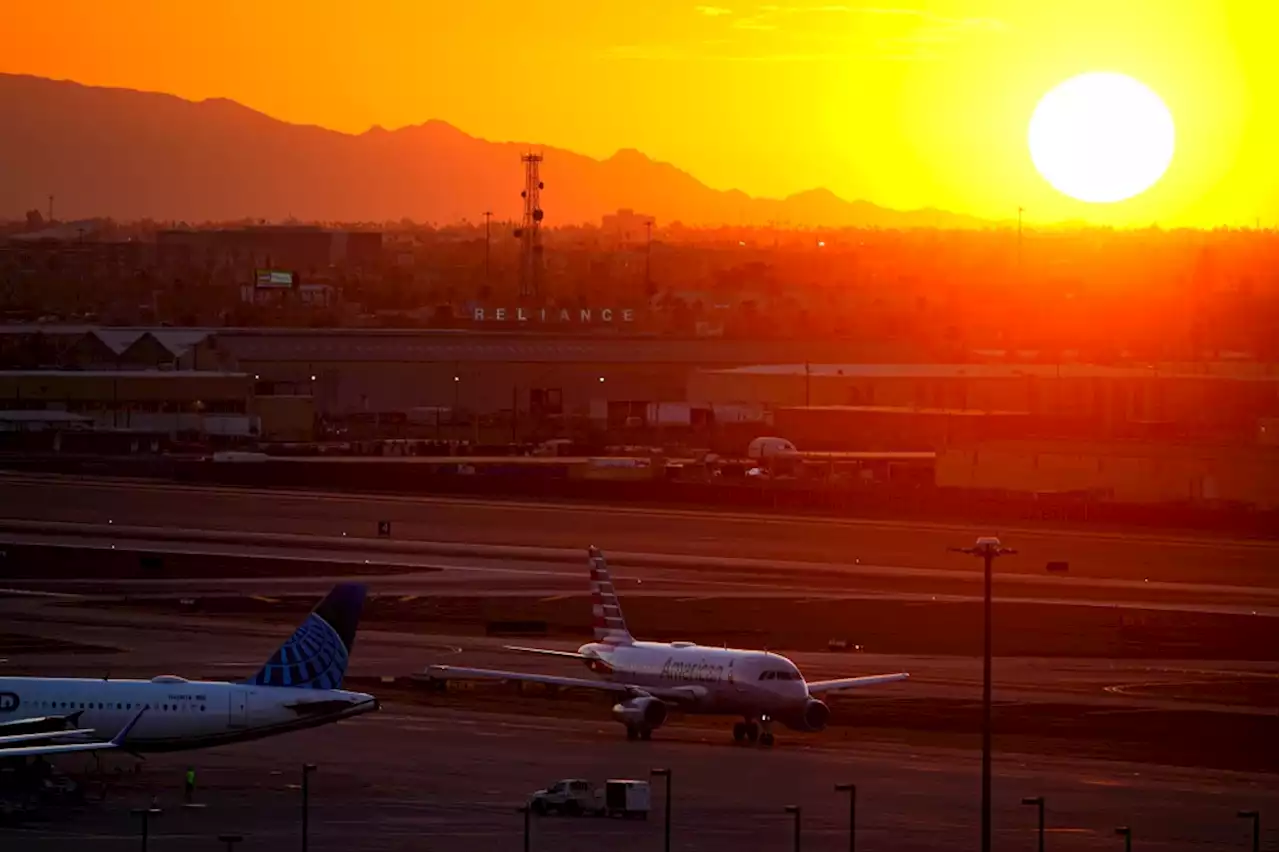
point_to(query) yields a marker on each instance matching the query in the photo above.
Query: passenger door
(238, 713)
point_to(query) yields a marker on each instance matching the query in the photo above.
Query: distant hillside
(132, 155)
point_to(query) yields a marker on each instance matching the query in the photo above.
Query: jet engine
(642, 712)
(816, 714)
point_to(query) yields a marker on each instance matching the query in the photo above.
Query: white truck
(619, 797)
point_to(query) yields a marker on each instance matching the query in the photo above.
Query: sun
(1101, 137)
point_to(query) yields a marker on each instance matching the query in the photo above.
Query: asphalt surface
(319, 560)
(447, 775)
(449, 778)
(1132, 556)
(415, 780)
(224, 646)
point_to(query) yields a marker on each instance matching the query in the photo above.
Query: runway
(412, 568)
(450, 777)
(1090, 553)
(446, 771)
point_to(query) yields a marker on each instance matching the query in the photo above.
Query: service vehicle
(618, 797)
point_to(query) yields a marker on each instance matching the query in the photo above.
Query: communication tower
(530, 230)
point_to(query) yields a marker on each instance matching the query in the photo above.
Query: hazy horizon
(907, 107)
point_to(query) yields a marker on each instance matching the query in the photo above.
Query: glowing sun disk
(1101, 137)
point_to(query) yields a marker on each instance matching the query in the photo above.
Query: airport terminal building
(1198, 432)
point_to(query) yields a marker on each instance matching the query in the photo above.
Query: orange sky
(907, 104)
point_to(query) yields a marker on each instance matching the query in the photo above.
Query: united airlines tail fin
(315, 656)
(606, 612)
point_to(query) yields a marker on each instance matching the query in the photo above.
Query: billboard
(274, 279)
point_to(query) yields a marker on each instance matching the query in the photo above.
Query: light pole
(487, 215)
(648, 257)
(1038, 801)
(795, 809)
(145, 814)
(1257, 827)
(665, 775)
(1127, 834)
(231, 840)
(307, 769)
(852, 790)
(987, 547)
(524, 809)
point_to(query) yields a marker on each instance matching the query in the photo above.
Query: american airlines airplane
(299, 687)
(651, 676)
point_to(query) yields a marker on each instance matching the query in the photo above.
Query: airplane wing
(820, 686)
(677, 694)
(117, 741)
(33, 724)
(547, 652)
(13, 739)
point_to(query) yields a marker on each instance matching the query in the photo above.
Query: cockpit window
(776, 674)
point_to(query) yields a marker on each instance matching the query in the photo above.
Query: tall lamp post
(664, 774)
(145, 814)
(795, 809)
(1038, 802)
(1257, 827)
(524, 809)
(307, 769)
(852, 790)
(988, 548)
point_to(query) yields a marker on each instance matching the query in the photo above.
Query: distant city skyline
(908, 106)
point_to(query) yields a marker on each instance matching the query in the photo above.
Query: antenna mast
(530, 232)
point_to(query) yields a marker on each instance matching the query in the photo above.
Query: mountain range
(133, 155)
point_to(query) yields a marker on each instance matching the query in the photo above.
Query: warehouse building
(1123, 472)
(1202, 401)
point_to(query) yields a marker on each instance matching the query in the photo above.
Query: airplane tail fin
(315, 656)
(606, 612)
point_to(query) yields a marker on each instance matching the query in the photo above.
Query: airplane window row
(99, 705)
(779, 675)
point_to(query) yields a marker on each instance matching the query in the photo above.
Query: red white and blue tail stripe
(606, 613)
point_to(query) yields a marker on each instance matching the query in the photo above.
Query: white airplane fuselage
(727, 681)
(181, 714)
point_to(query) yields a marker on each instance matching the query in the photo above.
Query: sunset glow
(908, 105)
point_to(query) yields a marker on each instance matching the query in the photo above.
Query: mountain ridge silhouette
(130, 154)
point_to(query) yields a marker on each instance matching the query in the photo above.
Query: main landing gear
(750, 731)
(636, 732)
